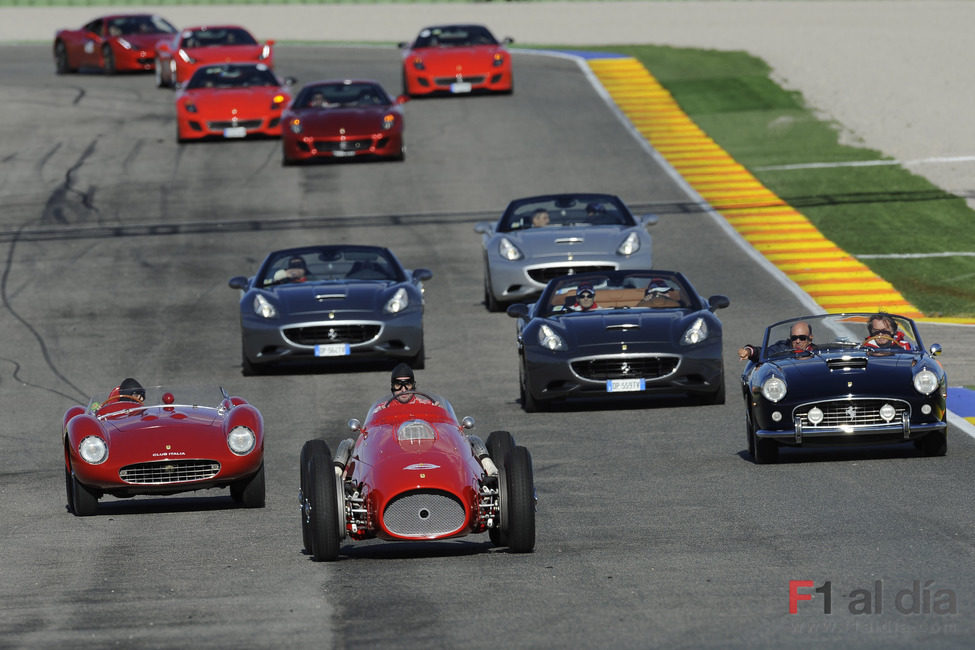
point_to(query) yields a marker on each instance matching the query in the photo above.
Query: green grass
(864, 210)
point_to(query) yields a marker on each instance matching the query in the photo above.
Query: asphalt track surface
(654, 527)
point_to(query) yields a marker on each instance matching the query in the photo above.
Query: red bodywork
(177, 58)
(451, 69)
(115, 43)
(162, 449)
(387, 470)
(230, 112)
(328, 132)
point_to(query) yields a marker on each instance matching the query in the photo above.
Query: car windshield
(216, 37)
(330, 264)
(620, 290)
(229, 75)
(455, 36)
(342, 95)
(128, 25)
(209, 396)
(840, 333)
(566, 211)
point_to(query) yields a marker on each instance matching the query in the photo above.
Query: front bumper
(194, 127)
(492, 80)
(308, 147)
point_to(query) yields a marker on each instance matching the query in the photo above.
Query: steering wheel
(415, 393)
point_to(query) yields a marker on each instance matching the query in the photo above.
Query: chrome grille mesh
(649, 367)
(852, 413)
(424, 513)
(169, 471)
(320, 334)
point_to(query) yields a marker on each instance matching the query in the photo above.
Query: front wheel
(308, 450)
(492, 303)
(83, 500)
(157, 71)
(323, 507)
(249, 492)
(518, 501)
(933, 444)
(61, 63)
(499, 443)
(766, 451)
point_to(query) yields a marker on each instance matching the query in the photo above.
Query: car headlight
(774, 389)
(508, 251)
(630, 245)
(389, 119)
(124, 43)
(93, 450)
(697, 332)
(296, 126)
(399, 301)
(549, 339)
(925, 382)
(498, 60)
(418, 63)
(266, 51)
(241, 440)
(277, 101)
(190, 107)
(186, 57)
(264, 308)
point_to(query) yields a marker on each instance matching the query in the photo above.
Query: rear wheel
(323, 506)
(250, 492)
(108, 60)
(310, 448)
(518, 501)
(499, 443)
(83, 500)
(933, 444)
(157, 68)
(528, 402)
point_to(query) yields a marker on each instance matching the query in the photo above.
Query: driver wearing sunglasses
(882, 333)
(800, 341)
(585, 299)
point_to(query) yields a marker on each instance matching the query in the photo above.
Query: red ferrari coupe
(456, 59)
(231, 100)
(118, 43)
(179, 56)
(415, 473)
(140, 441)
(343, 119)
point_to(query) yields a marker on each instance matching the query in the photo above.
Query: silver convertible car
(331, 303)
(539, 238)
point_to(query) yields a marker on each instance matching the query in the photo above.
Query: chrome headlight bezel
(774, 389)
(398, 302)
(241, 440)
(926, 382)
(93, 450)
(696, 333)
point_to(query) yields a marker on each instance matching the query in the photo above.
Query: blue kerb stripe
(961, 401)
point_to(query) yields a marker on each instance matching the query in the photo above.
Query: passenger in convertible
(660, 295)
(585, 299)
(800, 342)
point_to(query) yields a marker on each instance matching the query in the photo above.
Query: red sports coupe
(343, 119)
(456, 59)
(148, 441)
(125, 42)
(179, 56)
(415, 473)
(231, 100)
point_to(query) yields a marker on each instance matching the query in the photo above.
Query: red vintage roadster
(413, 473)
(157, 445)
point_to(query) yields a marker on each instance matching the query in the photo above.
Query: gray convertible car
(543, 237)
(331, 303)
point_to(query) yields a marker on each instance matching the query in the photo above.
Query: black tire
(933, 444)
(528, 403)
(157, 72)
(766, 451)
(310, 448)
(322, 503)
(250, 492)
(518, 501)
(717, 397)
(108, 60)
(419, 362)
(247, 368)
(750, 435)
(61, 63)
(84, 502)
(69, 489)
(499, 443)
(492, 303)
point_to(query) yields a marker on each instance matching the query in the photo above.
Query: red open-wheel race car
(414, 472)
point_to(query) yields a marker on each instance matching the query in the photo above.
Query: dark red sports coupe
(117, 43)
(456, 60)
(415, 473)
(343, 119)
(231, 100)
(178, 57)
(154, 442)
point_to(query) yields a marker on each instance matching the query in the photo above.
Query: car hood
(353, 120)
(297, 300)
(217, 99)
(557, 243)
(835, 374)
(449, 60)
(587, 331)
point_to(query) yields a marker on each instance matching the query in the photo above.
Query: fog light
(887, 412)
(815, 415)
(926, 409)
(776, 416)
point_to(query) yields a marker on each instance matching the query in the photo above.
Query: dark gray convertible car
(619, 334)
(331, 303)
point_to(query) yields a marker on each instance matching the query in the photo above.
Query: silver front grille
(852, 413)
(169, 471)
(424, 513)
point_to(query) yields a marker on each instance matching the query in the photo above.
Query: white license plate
(235, 132)
(332, 350)
(338, 153)
(625, 385)
(460, 87)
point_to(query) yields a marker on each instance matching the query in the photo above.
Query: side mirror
(238, 282)
(718, 302)
(467, 422)
(507, 40)
(935, 349)
(402, 99)
(484, 227)
(649, 220)
(402, 45)
(518, 310)
(422, 275)
(355, 425)
(290, 81)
